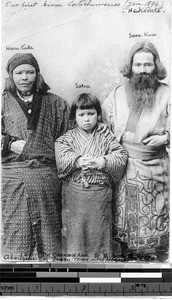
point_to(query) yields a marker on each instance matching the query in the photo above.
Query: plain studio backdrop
(80, 47)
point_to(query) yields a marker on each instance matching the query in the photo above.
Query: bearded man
(138, 113)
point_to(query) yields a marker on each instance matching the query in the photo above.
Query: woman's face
(24, 77)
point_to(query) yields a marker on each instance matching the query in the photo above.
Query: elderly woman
(32, 119)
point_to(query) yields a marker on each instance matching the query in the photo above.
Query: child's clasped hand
(86, 163)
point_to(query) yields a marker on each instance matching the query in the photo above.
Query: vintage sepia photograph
(85, 141)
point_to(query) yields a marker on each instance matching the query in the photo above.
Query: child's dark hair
(85, 101)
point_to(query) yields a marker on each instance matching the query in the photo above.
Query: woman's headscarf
(20, 59)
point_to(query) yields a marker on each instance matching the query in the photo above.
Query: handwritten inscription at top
(93, 3)
(27, 4)
(126, 6)
(60, 3)
(142, 6)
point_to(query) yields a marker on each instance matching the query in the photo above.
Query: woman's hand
(156, 140)
(18, 146)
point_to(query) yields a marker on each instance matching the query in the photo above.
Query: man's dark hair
(144, 46)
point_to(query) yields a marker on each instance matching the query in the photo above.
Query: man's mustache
(144, 74)
(143, 81)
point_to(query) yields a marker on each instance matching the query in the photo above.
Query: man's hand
(156, 140)
(18, 146)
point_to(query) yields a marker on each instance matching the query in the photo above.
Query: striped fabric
(76, 143)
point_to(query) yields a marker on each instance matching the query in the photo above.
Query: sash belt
(34, 163)
(144, 152)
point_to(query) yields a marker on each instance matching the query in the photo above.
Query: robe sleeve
(107, 111)
(63, 121)
(6, 139)
(115, 159)
(167, 128)
(65, 156)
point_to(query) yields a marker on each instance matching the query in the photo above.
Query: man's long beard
(141, 90)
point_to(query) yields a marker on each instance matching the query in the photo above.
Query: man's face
(24, 77)
(143, 82)
(143, 62)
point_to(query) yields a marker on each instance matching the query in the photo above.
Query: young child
(90, 162)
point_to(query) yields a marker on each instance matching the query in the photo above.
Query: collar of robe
(31, 108)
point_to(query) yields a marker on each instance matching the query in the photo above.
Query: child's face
(86, 119)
